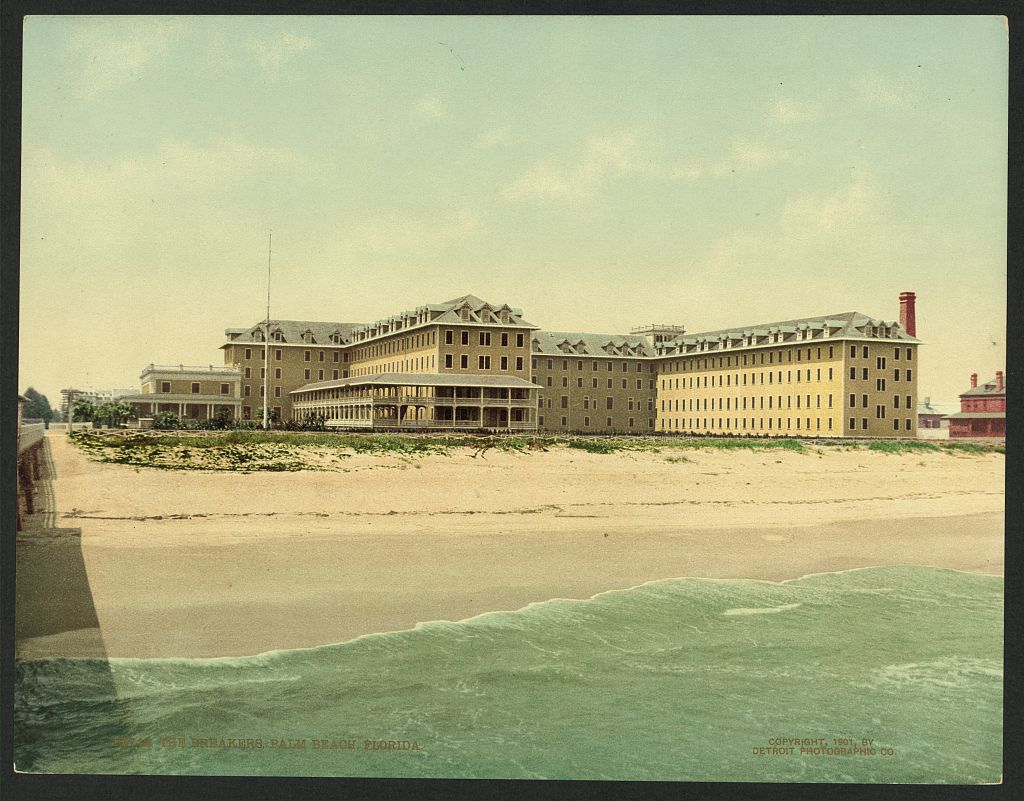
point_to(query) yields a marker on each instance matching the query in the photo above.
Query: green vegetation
(248, 450)
(37, 407)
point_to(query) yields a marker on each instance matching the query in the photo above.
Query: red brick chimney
(999, 381)
(974, 380)
(908, 317)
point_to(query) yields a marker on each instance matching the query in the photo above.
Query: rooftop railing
(188, 368)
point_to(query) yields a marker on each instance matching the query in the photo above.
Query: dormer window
(257, 335)
(277, 336)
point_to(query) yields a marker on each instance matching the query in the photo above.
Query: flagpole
(266, 342)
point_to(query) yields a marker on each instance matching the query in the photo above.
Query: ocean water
(880, 675)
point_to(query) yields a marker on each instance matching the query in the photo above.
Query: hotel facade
(470, 364)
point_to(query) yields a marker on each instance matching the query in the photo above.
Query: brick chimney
(999, 381)
(974, 380)
(908, 317)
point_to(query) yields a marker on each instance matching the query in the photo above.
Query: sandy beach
(139, 562)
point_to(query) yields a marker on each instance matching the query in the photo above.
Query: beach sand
(139, 562)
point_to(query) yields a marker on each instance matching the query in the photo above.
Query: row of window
(307, 355)
(594, 365)
(895, 401)
(482, 362)
(483, 338)
(594, 382)
(631, 422)
(165, 387)
(609, 403)
(686, 365)
(738, 403)
(395, 346)
(740, 379)
(740, 424)
(896, 374)
(907, 421)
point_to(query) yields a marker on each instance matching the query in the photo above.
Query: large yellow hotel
(469, 364)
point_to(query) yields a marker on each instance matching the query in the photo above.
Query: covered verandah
(186, 407)
(420, 401)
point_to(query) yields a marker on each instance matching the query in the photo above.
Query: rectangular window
(519, 363)
(864, 423)
(320, 375)
(448, 360)
(485, 337)
(864, 401)
(305, 355)
(336, 354)
(277, 392)
(464, 361)
(565, 401)
(248, 353)
(608, 403)
(484, 362)
(896, 354)
(609, 422)
(449, 337)
(540, 420)
(248, 372)
(465, 337)
(896, 374)
(907, 423)
(908, 401)
(550, 364)
(865, 351)
(853, 355)
(565, 422)
(305, 374)
(895, 401)
(586, 421)
(853, 423)
(277, 354)
(853, 401)
(549, 381)
(910, 374)
(277, 372)
(504, 362)
(910, 355)
(895, 425)
(334, 375)
(519, 340)
(195, 387)
(579, 383)
(504, 339)
(320, 357)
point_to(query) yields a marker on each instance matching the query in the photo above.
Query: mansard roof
(292, 331)
(845, 325)
(552, 342)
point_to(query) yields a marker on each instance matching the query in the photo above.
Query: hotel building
(470, 364)
(982, 410)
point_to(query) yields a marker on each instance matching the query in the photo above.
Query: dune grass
(289, 450)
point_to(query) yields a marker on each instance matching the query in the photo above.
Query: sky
(600, 173)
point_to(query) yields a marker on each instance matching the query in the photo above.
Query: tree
(112, 414)
(37, 406)
(84, 411)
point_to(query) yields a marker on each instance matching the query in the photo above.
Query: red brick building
(982, 410)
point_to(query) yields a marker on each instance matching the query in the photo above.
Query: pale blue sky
(599, 173)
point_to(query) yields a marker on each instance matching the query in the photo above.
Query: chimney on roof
(974, 380)
(999, 381)
(908, 318)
